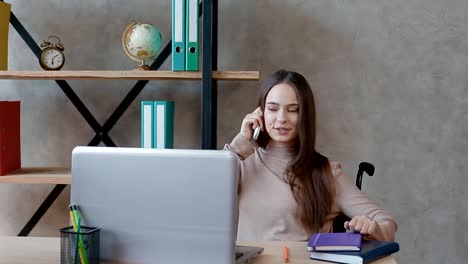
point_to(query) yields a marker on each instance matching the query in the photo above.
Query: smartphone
(256, 133)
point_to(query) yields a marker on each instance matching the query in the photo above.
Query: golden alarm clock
(52, 57)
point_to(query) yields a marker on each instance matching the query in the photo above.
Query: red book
(10, 148)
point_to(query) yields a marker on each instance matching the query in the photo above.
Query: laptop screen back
(158, 205)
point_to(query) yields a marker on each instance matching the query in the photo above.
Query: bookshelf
(49, 175)
(208, 77)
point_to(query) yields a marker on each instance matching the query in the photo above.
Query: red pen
(286, 254)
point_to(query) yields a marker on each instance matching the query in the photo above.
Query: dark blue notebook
(334, 242)
(370, 250)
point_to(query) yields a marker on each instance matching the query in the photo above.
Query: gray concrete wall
(389, 78)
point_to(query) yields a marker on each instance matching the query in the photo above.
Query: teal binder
(191, 36)
(163, 124)
(178, 35)
(147, 124)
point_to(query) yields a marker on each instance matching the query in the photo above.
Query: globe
(141, 42)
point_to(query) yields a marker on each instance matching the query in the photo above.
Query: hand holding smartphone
(252, 125)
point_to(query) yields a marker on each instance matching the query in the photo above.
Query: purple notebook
(335, 242)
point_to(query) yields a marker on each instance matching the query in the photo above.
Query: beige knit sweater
(267, 208)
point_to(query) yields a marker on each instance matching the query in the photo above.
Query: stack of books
(157, 124)
(348, 248)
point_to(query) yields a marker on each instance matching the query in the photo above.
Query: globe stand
(143, 66)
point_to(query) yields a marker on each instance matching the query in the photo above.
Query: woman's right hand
(250, 122)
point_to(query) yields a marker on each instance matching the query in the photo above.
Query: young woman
(287, 190)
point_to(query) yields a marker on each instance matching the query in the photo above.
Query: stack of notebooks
(348, 248)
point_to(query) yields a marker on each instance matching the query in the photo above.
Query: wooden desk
(46, 250)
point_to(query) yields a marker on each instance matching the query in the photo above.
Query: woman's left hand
(362, 224)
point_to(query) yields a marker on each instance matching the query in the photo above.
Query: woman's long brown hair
(308, 173)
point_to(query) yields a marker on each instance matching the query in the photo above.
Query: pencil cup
(79, 247)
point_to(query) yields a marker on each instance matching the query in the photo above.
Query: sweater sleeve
(241, 146)
(354, 203)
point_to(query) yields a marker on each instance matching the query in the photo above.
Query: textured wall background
(389, 78)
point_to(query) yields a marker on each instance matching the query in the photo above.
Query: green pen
(77, 240)
(77, 217)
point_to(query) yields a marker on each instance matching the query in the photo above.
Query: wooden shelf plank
(38, 175)
(126, 75)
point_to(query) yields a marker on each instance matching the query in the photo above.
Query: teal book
(371, 250)
(147, 124)
(163, 124)
(191, 35)
(178, 35)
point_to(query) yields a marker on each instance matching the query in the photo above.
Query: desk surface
(46, 250)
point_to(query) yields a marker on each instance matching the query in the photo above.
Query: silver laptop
(160, 205)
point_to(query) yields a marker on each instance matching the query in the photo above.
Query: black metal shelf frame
(209, 13)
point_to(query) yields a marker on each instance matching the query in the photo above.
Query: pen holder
(79, 248)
